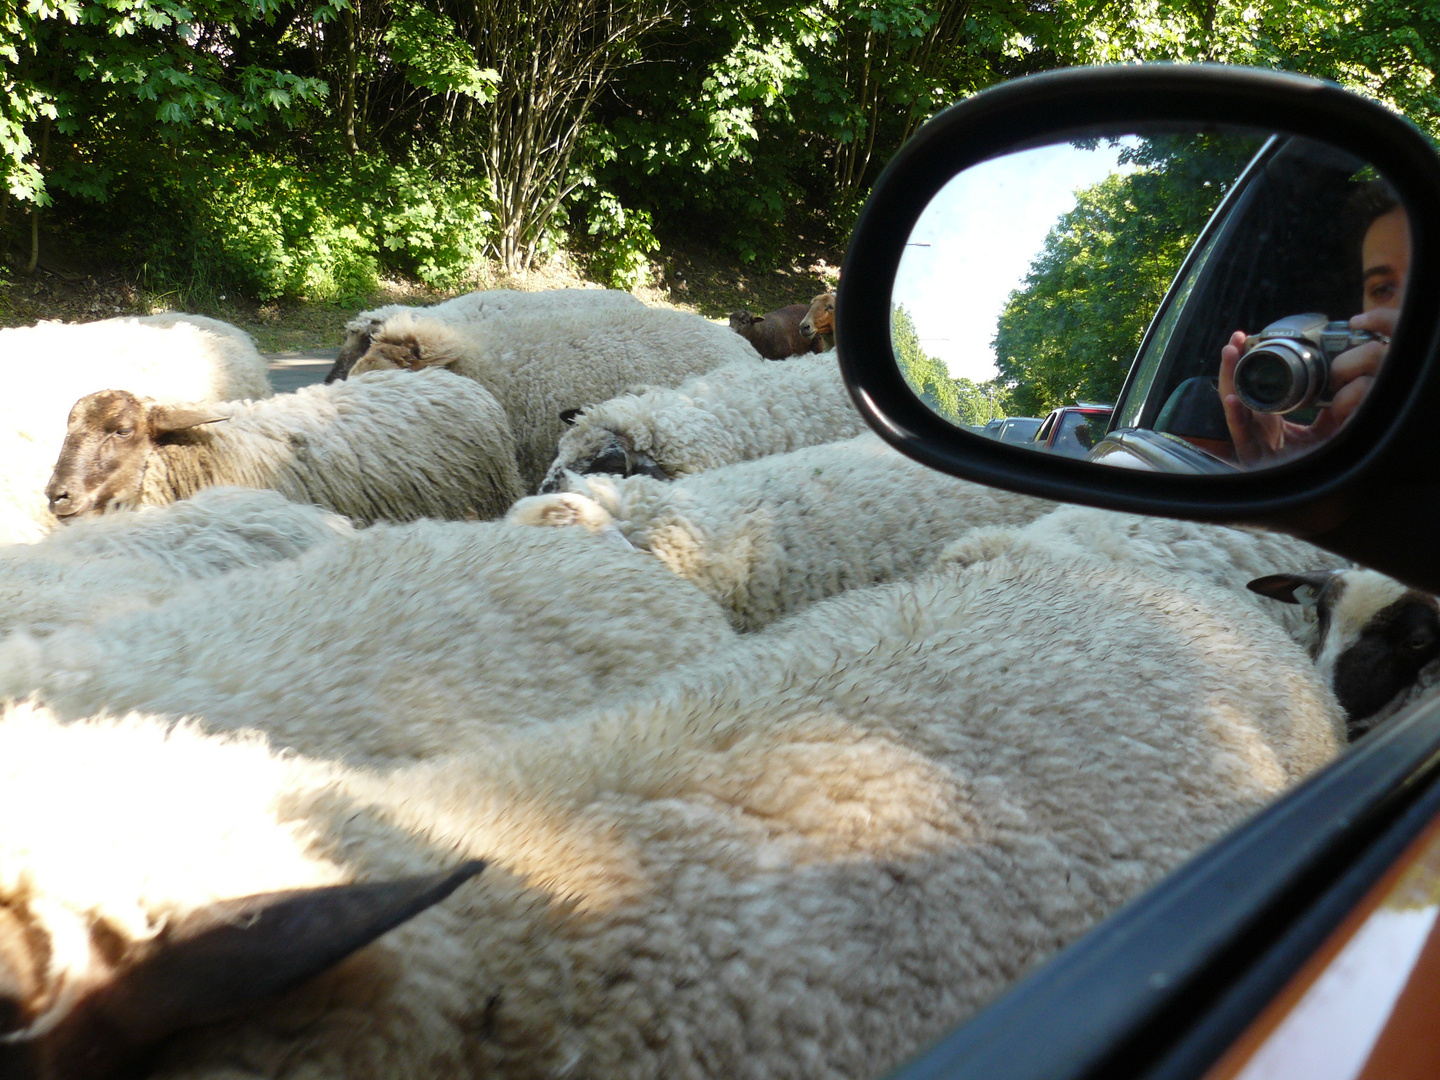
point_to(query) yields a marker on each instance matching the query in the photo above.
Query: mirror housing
(1348, 495)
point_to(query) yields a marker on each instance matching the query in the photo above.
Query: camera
(1286, 366)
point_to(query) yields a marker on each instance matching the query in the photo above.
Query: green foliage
(428, 48)
(1070, 332)
(618, 242)
(958, 400)
(274, 228)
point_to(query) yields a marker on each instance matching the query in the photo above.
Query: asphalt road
(292, 370)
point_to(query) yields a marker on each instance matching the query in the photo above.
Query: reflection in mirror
(1029, 282)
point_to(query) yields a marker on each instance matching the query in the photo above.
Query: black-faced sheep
(539, 367)
(473, 307)
(391, 447)
(1375, 635)
(808, 858)
(776, 334)
(735, 413)
(170, 357)
(819, 321)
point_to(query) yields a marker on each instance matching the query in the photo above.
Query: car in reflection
(1073, 430)
(1018, 429)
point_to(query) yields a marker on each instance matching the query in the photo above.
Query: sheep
(389, 447)
(1221, 555)
(735, 413)
(431, 632)
(473, 307)
(819, 321)
(809, 857)
(1375, 636)
(117, 563)
(541, 366)
(780, 337)
(46, 367)
(764, 538)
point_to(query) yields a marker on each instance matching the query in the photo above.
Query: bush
(283, 229)
(618, 242)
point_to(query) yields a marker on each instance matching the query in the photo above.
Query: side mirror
(1240, 266)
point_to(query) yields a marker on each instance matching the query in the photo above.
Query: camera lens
(1264, 382)
(1280, 376)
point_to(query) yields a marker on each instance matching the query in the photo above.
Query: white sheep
(389, 447)
(1222, 555)
(428, 633)
(810, 857)
(472, 307)
(765, 537)
(170, 357)
(735, 413)
(1376, 637)
(123, 562)
(540, 366)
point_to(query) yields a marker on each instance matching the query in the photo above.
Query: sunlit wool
(807, 858)
(541, 365)
(397, 641)
(735, 413)
(764, 538)
(47, 367)
(121, 562)
(472, 307)
(390, 447)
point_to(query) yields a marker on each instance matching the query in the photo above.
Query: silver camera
(1286, 366)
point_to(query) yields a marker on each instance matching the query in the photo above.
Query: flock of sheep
(563, 689)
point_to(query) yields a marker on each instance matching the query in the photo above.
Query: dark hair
(1372, 199)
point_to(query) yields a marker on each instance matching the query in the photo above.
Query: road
(292, 370)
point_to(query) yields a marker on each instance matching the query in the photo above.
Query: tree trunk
(347, 96)
(35, 211)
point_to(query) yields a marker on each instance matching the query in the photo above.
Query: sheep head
(410, 344)
(359, 332)
(1374, 634)
(820, 319)
(599, 450)
(92, 1018)
(108, 439)
(742, 320)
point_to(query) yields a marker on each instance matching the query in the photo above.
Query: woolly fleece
(810, 858)
(539, 366)
(46, 368)
(763, 538)
(392, 447)
(735, 413)
(398, 641)
(106, 565)
(472, 307)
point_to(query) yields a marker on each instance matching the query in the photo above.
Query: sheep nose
(60, 502)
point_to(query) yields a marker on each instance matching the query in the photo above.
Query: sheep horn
(224, 958)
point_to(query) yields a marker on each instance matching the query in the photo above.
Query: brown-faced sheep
(776, 334)
(819, 321)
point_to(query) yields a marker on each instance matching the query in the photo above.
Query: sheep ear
(229, 956)
(167, 419)
(569, 416)
(1303, 589)
(757, 318)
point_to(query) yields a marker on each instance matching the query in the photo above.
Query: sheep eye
(124, 432)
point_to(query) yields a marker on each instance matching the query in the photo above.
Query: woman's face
(1385, 259)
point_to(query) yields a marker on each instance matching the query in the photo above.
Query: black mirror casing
(1349, 495)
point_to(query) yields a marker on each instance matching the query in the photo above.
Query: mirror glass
(1031, 303)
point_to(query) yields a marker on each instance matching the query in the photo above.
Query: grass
(684, 276)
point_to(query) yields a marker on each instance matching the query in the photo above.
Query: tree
(1070, 332)
(958, 400)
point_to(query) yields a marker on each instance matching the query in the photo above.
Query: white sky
(984, 229)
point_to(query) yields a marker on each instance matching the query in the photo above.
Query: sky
(984, 229)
